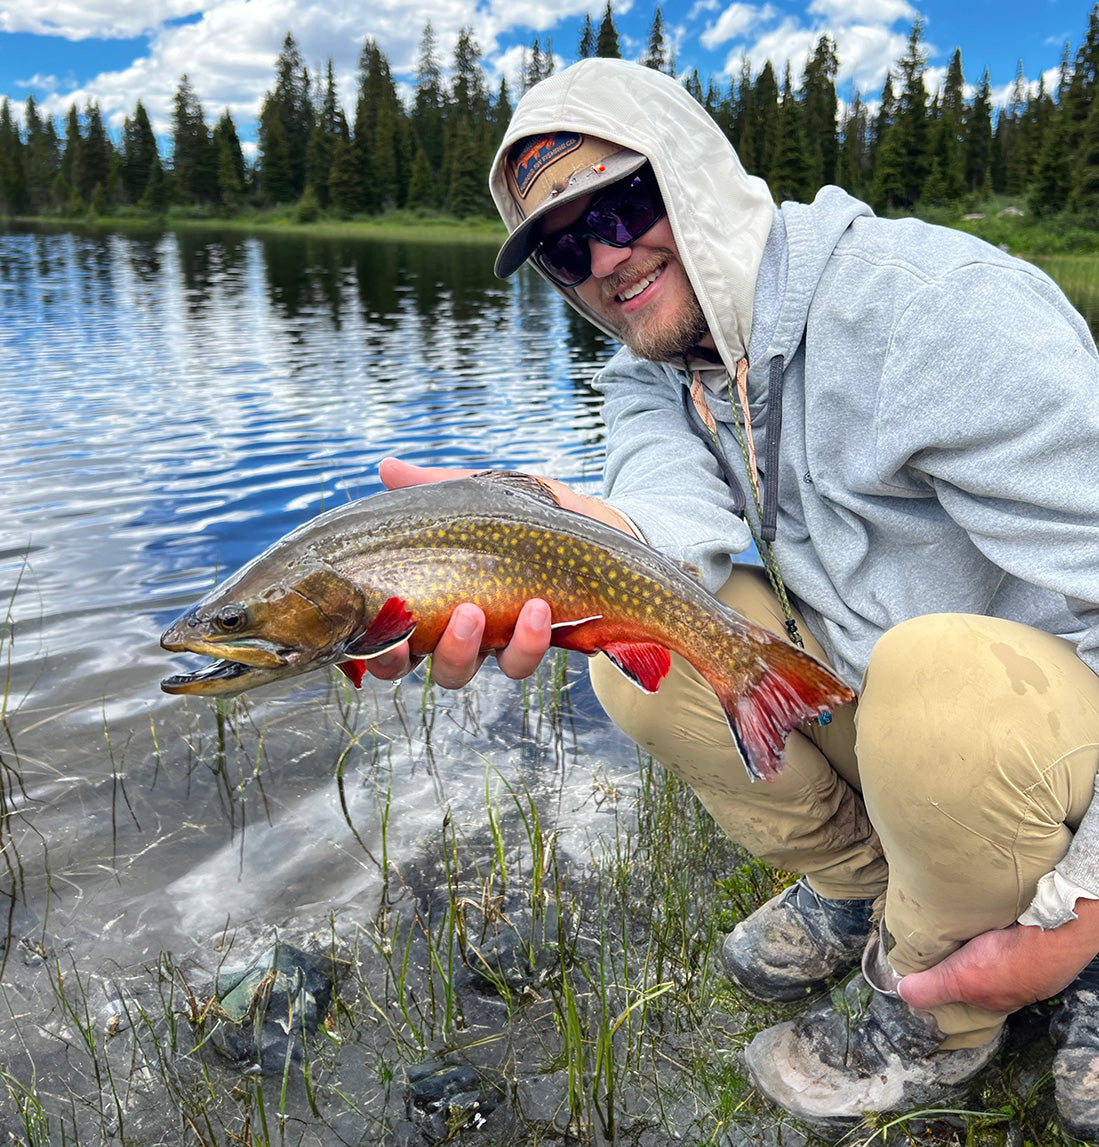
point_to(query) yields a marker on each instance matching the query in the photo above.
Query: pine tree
(1084, 196)
(945, 182)
(194, 160)
(978, 138)
(656, 50)
(765, 114)
(467, 129)
(93, 158)
(587, 46)
(41, 158)
(329, 125)
(853, 164)
(911, 127)
(158, 192)
(790, 172)
(231, 170)
(427, 118)
(13, 181)
(381, 132)
(606, 43)
(139, 149)
(285, 124)
(821, 109)
(63, 192)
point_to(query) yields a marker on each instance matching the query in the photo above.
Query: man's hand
(1008, 968)
(457, 656)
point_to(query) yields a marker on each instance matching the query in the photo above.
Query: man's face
(641, 291)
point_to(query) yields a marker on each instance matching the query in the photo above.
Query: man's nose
(605, 258)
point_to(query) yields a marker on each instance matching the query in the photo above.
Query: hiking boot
(795, 942)
(861, 1051)
(1075, 1031)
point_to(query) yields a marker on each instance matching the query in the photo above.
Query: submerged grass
(515, 984)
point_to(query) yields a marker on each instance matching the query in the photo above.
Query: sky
(116, 52)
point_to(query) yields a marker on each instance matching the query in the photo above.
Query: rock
(270, 1008)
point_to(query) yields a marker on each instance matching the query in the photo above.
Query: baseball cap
(544, 171)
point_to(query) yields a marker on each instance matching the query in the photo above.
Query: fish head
(262, 628)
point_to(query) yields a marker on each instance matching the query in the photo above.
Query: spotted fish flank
(363, 578)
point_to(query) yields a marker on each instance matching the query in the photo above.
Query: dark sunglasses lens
(626, 216)
(567, 260)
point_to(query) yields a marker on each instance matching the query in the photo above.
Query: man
(906, 421)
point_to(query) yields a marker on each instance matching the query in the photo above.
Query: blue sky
(119, 51)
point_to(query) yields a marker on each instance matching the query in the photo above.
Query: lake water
(171, 404)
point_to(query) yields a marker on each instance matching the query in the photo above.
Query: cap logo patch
(539, 153)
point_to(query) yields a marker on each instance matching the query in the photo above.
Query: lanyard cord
(742, 420)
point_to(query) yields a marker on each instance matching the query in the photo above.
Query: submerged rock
(273, 1006)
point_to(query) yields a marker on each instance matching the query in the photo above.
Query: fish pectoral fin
(529, 484)
(393, 624)
(644, 663)
(354, 671)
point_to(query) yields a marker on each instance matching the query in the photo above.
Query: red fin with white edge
(644, 663)
(393, 624)
(354, 671)
(794, 688)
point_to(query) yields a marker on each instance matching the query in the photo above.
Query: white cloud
(102, 19)
(734, 22)
(838, 13)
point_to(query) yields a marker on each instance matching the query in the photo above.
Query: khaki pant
(951, 786)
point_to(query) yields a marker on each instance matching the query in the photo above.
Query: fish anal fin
(644, 663)
(393, 624)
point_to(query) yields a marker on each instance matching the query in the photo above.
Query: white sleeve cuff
(1054, 901)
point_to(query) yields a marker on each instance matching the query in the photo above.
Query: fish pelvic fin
(392, 624)
(792, 688)
(644, 663)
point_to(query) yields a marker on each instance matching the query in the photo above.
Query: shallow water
(171, 405)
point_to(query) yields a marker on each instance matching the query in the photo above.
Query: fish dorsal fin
(393, 624)
(526, 483)
(644, 663)
(693, 572)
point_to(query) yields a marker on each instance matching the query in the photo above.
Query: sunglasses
(618, 217)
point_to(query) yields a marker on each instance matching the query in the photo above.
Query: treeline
(432, 153)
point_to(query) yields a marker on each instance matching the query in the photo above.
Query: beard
(663, 337)
(672, 340)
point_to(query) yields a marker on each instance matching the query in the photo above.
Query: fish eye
(231, 617)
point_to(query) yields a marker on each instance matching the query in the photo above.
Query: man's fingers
(529, 642)
(396, 474)
(391, 664)
(457, 656)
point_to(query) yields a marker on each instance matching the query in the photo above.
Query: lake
(172, 404)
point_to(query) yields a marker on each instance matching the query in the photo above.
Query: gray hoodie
(925, 407)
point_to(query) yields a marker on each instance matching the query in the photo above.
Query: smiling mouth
(635, 285)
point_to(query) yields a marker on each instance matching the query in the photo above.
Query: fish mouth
(251, 651)
(221, 679)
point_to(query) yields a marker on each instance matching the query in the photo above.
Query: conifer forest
(904, 148)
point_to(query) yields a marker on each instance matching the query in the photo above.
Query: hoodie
(924, 406)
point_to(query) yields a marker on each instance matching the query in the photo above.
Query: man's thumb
(923, 989)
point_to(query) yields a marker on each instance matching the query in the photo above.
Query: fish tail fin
(790, 688)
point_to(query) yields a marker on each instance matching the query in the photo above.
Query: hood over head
(720, 215)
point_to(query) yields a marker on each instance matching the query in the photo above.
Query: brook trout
(362, 578)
